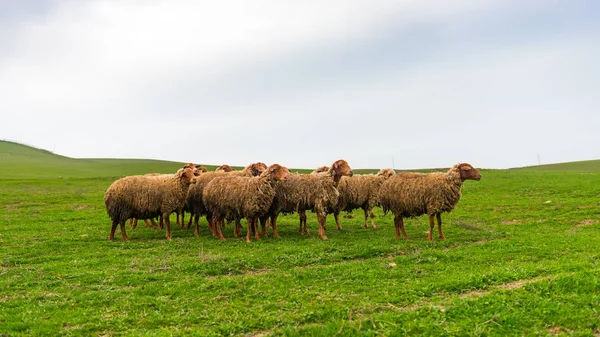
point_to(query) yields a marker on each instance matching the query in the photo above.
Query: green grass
(521, 259)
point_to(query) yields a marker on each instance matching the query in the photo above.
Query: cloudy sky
(410, 82)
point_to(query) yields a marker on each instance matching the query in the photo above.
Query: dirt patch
(507, 286)
(558, 330)
(586, 222)
(80, 207)
(511, 222)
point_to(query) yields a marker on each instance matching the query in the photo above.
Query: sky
(379, 83)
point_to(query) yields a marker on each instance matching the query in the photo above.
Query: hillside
(576, 166)
(18, 161)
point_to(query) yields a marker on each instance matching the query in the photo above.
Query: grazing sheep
(301, 192)
(412, 194)
(235, 197)
(194, 200)
(360, 191)
(224, 168)
(145, 197)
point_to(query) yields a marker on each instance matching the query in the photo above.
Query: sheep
(194, 200)
(360, 191)
(145, 197)
(224, 168)
(235, 197)
(301, 192)
(320, 170)
(413, 194)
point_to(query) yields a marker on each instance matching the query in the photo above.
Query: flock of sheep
(261, 193)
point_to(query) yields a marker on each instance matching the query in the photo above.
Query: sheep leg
(439, 221)
(167, 222)
(236, 230)
(255, 226)
(274, 224)
(111, 236)
(123, 234)
(133, 223)
(196, 225)
(154, 225)
(399, 223)
(161, 222)
(336, 216)
(431, 225)
(146, 223)
(302, 216)
(219, 225)
(306, 229)
(321, 219)
(366, 217)
(249, 230)
(372, 219)
(189, 224)
(182, 219)
(263, 225)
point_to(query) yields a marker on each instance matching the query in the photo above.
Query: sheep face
(201, 169)
(258, 168)
(192, 166)
(187, 175)
(341, 168)
(224, 168)
(276, 172)
(386, 173)
(468, 172)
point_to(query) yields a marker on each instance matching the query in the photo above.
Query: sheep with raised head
(234, 197)
(302, 192)
(360, 191)
(194, 201)
(145, 197)
(410, 194)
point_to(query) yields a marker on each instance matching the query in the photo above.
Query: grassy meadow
(521, 258)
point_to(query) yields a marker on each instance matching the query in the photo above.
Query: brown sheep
(235, 197)
(224, 168)
(413, 194)
(360, 191)
(301, 192)
(145, 197)
(194, 199)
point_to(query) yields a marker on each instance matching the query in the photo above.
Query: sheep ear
(465, 167)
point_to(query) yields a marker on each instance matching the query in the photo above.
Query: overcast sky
(410, 82)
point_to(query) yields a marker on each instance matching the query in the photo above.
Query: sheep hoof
(442, 238)
(248, 240)
(324, 237)
(374, 226)
(276, 236)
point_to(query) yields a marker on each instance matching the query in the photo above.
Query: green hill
(18, 161)
(576, 166)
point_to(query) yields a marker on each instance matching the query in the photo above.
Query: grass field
(521, 258)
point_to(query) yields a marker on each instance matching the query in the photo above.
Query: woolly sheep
(145, 197)
(360, 191)
(301, 192)
(235, 197)
(194, 200)
(413, 194)
(224, 168)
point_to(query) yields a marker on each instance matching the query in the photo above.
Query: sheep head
(386, 173)
(224, 168)
(201, 169)
(258, 168)
(275, 172)
(186, 175)
(321, 170)
(192, 166)
(468, 172)
(339, 169)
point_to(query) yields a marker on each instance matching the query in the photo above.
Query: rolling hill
(18, 161)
